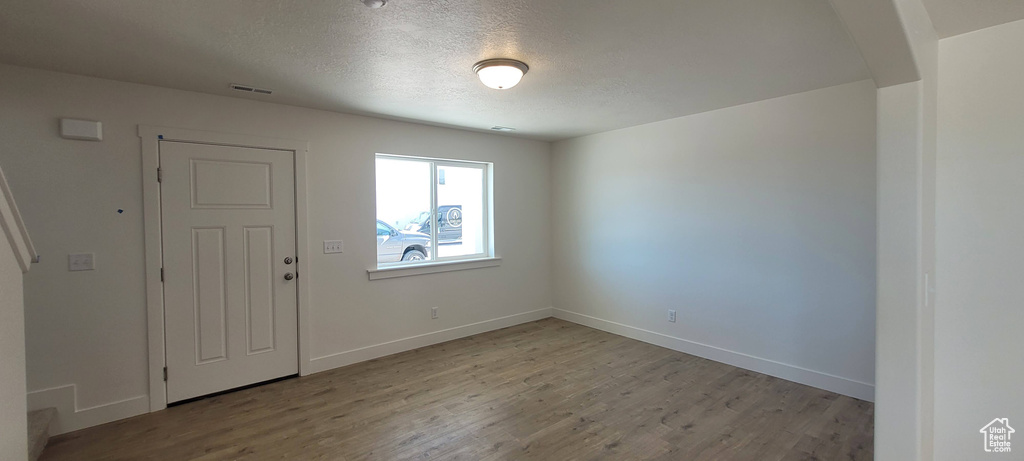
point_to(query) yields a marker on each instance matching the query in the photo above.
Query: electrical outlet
(81, 262)
(334, 246)
(672, 316)
(433, 312)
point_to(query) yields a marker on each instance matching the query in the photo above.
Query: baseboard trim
(837, 384)
(71, 418)
(341, 359)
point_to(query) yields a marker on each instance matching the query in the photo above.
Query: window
(431, 210)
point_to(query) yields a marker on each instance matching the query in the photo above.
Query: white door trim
(151, 137)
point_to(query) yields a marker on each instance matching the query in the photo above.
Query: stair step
(39, 431)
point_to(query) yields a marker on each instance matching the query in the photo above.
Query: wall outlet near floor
(334, 246)
(433, 312)
(672, 316)
(81, 262)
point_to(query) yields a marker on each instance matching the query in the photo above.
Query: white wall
(88, 329)
(898, 337)
(756, 223)
(979, 316)
(904, 378)
(13, 422)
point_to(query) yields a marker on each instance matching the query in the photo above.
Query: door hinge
(161, 274)
(159, 175)
(165, 373)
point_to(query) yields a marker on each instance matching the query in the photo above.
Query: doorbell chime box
(85, 130)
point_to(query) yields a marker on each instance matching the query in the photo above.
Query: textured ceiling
(594, 65)
(955, 17)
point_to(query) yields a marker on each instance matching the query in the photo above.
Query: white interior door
(230, 304)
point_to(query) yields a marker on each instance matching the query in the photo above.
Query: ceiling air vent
(250, 89)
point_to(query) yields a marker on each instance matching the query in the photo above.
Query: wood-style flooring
(547, 390)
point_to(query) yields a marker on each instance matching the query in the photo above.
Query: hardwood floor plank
(546, 390)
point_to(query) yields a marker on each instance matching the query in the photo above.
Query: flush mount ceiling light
(500, 74)
(375, 3)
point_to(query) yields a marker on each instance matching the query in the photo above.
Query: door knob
(288, 260)
(288, 276)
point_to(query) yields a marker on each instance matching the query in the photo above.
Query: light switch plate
(81, 262)
(334, 246)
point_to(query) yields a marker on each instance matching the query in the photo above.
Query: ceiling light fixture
(502, 128)
(500, 74)
(375, 3)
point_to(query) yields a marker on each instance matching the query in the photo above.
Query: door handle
(288, 276)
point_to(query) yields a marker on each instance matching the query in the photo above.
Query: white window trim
(449, 263)
(432, 268)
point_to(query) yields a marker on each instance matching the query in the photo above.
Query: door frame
(151, 137)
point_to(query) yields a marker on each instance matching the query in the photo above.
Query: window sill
(432, 268)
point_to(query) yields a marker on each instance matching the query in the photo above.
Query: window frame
(487, 170)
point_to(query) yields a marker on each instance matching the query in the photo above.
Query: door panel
(259, 288)
(209, 298)
(228, 217)
(250, 186)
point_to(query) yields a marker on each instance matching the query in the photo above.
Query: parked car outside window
(394, 245)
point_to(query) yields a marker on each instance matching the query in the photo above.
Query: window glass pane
(460, 211)
(403, 199)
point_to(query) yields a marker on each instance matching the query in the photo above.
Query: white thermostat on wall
(86, 130)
